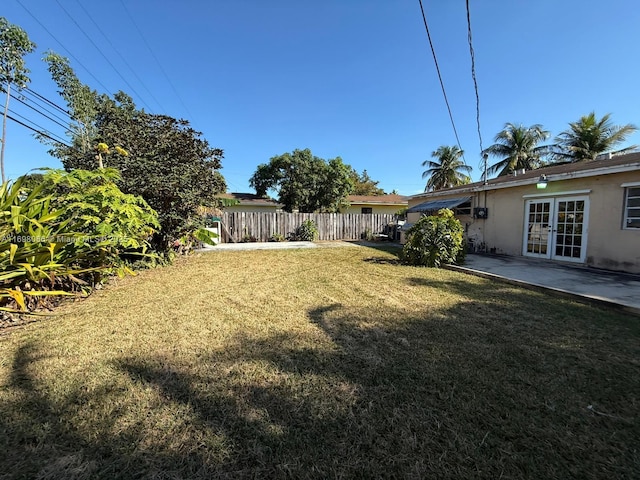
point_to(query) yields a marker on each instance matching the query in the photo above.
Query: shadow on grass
(441, 393)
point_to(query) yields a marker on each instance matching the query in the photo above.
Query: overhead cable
(63, 47)
(43, 98)
(102, 53)
(475, 80)
(43, 132)
(39, 111)
(444, 93)
(175, 90)
(97, 26)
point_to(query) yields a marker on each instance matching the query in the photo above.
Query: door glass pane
(539, 221)
(569, 228)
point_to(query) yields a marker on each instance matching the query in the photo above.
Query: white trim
(558, 194)
(525, 239)
(585, 232)
(630, 184)
(625, 217)
(553, 224)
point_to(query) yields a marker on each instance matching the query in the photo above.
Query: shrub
(434, 241)
(307, 232)
(65, 232)
(120, 224)
(367, 235)
(277, 237)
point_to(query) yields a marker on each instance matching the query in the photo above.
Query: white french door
(556, 228)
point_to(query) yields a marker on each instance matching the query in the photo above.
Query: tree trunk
(4, 131)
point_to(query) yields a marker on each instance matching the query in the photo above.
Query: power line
(97, 26)
(475, 85)
(63, 47)
(156, 59)
(43, 132)
(102, 53)
(53, 104)
(38, 111)
(444, 93)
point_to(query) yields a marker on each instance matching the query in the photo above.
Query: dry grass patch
(320, 363)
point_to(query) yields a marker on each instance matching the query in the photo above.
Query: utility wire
(475, 85)
(44, 107)
(63, 47)
(102, 53)
(53, 104)
(38, 111)
(157, 61)
(97, 26)
(43, 131)
(444, 93)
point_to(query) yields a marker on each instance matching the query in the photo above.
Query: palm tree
(517, 147)
(447, 171)
(589, 137)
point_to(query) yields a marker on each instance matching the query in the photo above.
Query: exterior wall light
(542, 182)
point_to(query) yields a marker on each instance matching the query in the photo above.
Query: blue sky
(348, 78)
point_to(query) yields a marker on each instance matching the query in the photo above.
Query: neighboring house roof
(251, 199)
(438, 204)
(601, 166)
(378, 199)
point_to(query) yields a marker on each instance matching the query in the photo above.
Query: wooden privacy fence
(331, 226)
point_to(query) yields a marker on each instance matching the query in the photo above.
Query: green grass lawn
(320, 363)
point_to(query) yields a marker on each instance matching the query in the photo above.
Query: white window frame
(627, 190)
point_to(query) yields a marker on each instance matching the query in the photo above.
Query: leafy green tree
(14, 45)
(160, 158)
(589, 137)
(82, 104)
(305, 182)
(518, 147)
(363, 184)
(448, 170)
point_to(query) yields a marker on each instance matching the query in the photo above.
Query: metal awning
(436, 205)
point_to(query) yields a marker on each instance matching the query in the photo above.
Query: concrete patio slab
(258, 246)
(597, 286)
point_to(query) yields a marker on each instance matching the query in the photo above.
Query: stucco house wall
(375, 209)
(379, 204)
(609, 244)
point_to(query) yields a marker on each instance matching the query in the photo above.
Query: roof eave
(480, 187)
